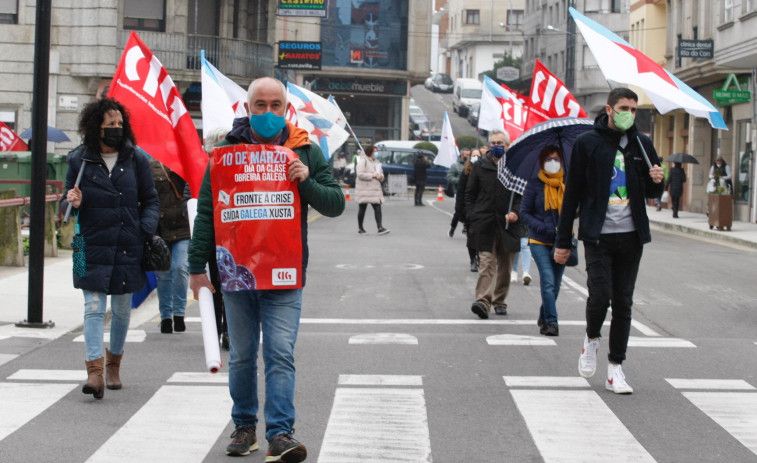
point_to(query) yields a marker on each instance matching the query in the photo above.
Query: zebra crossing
(378, 418)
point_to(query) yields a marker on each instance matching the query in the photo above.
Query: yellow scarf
(554, 189)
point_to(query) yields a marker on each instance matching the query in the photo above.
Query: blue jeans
(277, 314)
(172, 284)
(525, 253)
(94, 317)
(550, 279)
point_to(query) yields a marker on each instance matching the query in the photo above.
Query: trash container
(17, 165)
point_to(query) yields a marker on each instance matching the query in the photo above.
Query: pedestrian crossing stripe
(201, 413)
(736, 412)
(131, 336)
(21, 402)
(570, 431)
(517, 340)
(26, 374)
(546, 381)
(710, 384)
(380, 380)
(5, 358)
(384, 338)
(369, 418)
(636, 341)
(199, 377)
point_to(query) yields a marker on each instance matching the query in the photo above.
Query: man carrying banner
(249, 310)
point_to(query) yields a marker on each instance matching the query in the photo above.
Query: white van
(465, 94)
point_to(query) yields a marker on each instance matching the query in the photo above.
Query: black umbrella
(521, 162)
(53, 135)
(682, 157)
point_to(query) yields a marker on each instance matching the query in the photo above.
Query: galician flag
(501, 110)
(160, 121)
(319, 117)
(448, 152)
(222, 99)
(620, 62)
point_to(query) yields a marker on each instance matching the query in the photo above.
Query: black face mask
(112, 136)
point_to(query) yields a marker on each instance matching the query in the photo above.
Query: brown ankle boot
(95, 381)
(112, 366)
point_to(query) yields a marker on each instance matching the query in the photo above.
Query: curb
(714, 235)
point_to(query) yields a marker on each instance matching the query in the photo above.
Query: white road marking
(428, 321)
(517, 340)
(192, 320)
(183, 423)
(645, 330)
(579, 427)
(21, 402)
(380, 380)
(374, 425)
(5, 358)
(384, 338)
(636, 341)
(131, 336)
(199, 377)
(545, 381)
(49, 375)
(736, 412)
(710, 384)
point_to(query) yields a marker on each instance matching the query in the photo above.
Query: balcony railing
(233, 57)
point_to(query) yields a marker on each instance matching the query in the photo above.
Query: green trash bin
(16, 165)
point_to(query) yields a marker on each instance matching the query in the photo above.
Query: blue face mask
(498, 151)
(267, 125)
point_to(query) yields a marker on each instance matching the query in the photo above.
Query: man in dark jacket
(275, 313)
(608, 180)
(419, 170)
(676, 179)
(494, 229)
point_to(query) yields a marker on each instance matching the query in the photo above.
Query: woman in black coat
(676, 179)
(115, 205)
(462, 182)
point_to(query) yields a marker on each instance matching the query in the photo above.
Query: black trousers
(361, 214)
(419, 188)
(612, 265)
(676, 200)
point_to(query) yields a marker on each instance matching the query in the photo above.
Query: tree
(518, 85)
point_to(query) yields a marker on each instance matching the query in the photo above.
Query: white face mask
(474, 159)
(552, 166)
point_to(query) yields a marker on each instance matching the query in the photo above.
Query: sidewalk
(63, 304)
(741, 233)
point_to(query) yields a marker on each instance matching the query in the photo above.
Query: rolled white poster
(209, 331)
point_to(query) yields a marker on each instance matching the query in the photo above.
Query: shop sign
(695, 48)
(300, 55)
(326, 85)
(307, 8)
(733, 91)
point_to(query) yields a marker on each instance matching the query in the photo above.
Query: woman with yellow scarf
(540, 210)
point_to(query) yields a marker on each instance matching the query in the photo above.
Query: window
(514, 19)
(145, 15)
(740, 172)
(8, 11)
(202, 17)
(727, 11)
(589, 61)
(615, 6)
(750, 5)
(8, 116)
(472, 16)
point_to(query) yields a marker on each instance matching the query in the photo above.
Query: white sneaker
(616, 380)
(513, 277)
(526, 279)
(587, 362)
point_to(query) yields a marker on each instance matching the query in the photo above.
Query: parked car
(466, 93)
(401, 161)
(473, 114)
(439, 82)
(415, 111)
(419, 128)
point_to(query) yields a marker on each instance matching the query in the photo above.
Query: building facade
(732, 27)
(87, 40)
(372, 53)
(552, 38)
(478, 33)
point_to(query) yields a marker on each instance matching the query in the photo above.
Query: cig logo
(284, 276)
